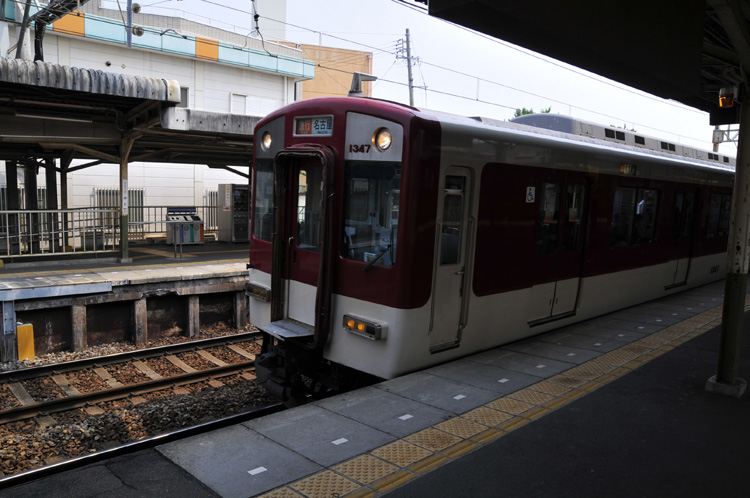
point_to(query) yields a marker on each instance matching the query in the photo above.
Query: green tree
(523, 111)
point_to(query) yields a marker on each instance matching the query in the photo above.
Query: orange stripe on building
(206, 49)
(71, 24)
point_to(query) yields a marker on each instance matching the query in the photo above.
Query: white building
(218, 71)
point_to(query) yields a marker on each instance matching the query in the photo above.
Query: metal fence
(43, 231)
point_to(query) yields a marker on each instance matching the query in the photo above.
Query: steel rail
(23, 412)
(140, 354)
(89, 458)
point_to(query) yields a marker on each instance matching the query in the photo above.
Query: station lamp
(727, 96)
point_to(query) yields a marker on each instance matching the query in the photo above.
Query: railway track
(57, 413)
(32, 388)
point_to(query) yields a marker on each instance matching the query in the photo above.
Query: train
(387, 239)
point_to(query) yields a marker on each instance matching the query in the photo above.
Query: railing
(30, 233)
(41, 232)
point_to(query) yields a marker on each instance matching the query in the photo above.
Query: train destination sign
(316, 125)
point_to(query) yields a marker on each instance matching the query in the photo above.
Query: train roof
(549, 125)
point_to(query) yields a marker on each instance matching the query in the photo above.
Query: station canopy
(685, 50)
(50, 111)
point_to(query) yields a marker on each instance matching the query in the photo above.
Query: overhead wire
(567, 104)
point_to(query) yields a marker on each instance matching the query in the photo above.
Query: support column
(9, 341)
(64, 165)
(31, 197)
(125, 147)
(14, 204)
(194, 322)
(78, 321)
(52, 219)
(726, 381)
(240, 309)
(140, 320)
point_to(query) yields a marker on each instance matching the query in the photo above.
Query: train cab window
(634, 217)
(263, 219)
(549, 208)
(310, 188)
(719, 212)
(371, 208)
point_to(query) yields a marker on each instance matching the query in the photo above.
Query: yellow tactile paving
(551, 387)
(568, 381)
(281, 493)
(401, 453)
(509, 405)
(588, 371)
(487, 416)
(324, 485)
(530, 396)
(617, 357)
(433, 439)
(461, 427)
(365, 469)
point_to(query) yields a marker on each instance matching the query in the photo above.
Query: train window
(263, 219)
(371, 208)
(719, 212)
(310, 188)
(634, 217)
(572, 227)
(683, 215)
(549, 208)
(453, 215)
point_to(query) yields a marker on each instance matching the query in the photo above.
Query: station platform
(615, 406)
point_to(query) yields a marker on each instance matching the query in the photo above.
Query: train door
(562, 203)
(450, 277)
(299, 275)
(683, 224)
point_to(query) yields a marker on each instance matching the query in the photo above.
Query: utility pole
(400, 50)
(408, 65)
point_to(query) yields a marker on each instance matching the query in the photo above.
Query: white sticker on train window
(530, 194)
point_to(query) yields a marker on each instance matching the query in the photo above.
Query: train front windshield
(370, 214)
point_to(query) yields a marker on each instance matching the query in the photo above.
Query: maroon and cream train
(386, 239)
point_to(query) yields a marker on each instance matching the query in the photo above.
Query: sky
(455, 70)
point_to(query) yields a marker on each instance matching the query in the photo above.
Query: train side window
(719, 212)
(572, 226)
(683, 215)
(634, 217)
(549, 208)
(263, 209)
(371, 208)
(453, 215)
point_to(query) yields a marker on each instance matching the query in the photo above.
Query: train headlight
(266, 140)
(382, 139)
(365, 327)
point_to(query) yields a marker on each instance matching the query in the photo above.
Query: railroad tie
(107, 377)
(180, 364)
(62, 383)
(242, 352)
(23, 396)
(145, 369)
(213, 359)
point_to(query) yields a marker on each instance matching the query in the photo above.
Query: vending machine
(234, 213)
